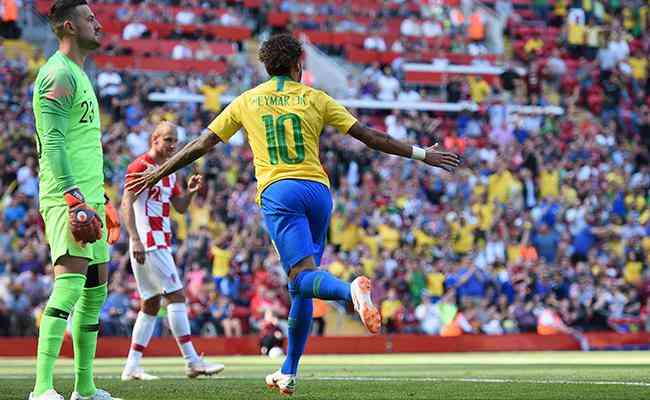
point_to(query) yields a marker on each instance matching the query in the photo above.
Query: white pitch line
(477, 380)
(387, 379)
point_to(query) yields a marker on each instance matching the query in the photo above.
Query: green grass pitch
(498, 376)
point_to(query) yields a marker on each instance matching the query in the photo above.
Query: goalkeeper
(79, 220)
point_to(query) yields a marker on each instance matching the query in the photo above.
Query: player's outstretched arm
(197, 148)
(128, 215)
(377, 140)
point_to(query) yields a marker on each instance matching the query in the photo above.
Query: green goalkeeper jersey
(68, 132)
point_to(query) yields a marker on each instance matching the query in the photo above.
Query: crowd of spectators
(409, 29)
(546, 227)
(418, 23)
(397, 26)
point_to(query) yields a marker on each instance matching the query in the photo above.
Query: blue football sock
(300, 316)
(322, 285)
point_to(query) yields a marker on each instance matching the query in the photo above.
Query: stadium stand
(549, 215)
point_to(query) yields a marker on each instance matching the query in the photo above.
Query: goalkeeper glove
(112, 222)
(85, 224)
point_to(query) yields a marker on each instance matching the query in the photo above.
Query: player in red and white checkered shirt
(149, 227)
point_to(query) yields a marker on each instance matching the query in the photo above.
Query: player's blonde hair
(161, 128)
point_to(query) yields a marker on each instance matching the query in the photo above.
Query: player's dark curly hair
(61, 11)
(280, 53)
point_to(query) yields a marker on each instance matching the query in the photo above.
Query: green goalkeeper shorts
(61, 241)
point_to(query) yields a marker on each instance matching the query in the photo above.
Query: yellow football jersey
(283, 120)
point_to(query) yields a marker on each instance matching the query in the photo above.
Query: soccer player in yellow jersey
(283, 120)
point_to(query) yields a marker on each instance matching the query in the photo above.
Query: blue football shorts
(297, 214)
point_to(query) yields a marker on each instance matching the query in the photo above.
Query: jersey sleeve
(135, 166)
(228, 122)
(335, 115)
(56, 96)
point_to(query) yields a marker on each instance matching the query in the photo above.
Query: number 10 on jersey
(277, 141)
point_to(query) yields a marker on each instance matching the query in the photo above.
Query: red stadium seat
(277, 19)
(388, 57)
(120, 63)
(159, 64)
(318, 37)
(163, 30)
(113, 26)
(236, 33)
(359, 56)
(253, 3)
(344, 38)
(43, 6)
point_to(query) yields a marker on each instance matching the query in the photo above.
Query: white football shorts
(158, 275)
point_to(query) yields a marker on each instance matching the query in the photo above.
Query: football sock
(300, 316)
(180, 326)
(65, 293)
(322, 285)
(142, 332)
(85, 327)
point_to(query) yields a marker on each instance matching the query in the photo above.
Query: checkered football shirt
(152, 206)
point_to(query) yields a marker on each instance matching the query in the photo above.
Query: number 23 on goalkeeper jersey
(283, 120)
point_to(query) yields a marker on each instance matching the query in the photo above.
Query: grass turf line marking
(384, 379)
(477, 380)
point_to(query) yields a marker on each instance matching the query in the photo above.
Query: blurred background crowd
(545, 228)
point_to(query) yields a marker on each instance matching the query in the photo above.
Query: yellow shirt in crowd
(569, 194)
(199, 215)
(422, 240)
(639, 67)
(350, 237)
(372, 241)
(533, 45)
(549, 183)
(576, 34)
(339, 269)
(389, 237)
(181, 224)
(220, 261)
(500, 185)
(212, 97)
(436, 283)
(632, 273)
(389, 309)
(463, 237)
(485, 214)
(369, 264)
(478, 89)
(336, 228)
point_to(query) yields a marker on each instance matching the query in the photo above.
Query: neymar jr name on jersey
(283, 100)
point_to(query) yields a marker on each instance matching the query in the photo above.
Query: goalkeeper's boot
(49, 395)
(137, 374)
(202, 367)
(285, 383)
(369, 314)
(99, 395)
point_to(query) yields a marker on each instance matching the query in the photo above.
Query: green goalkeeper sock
(67, 289)
(85, 326)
